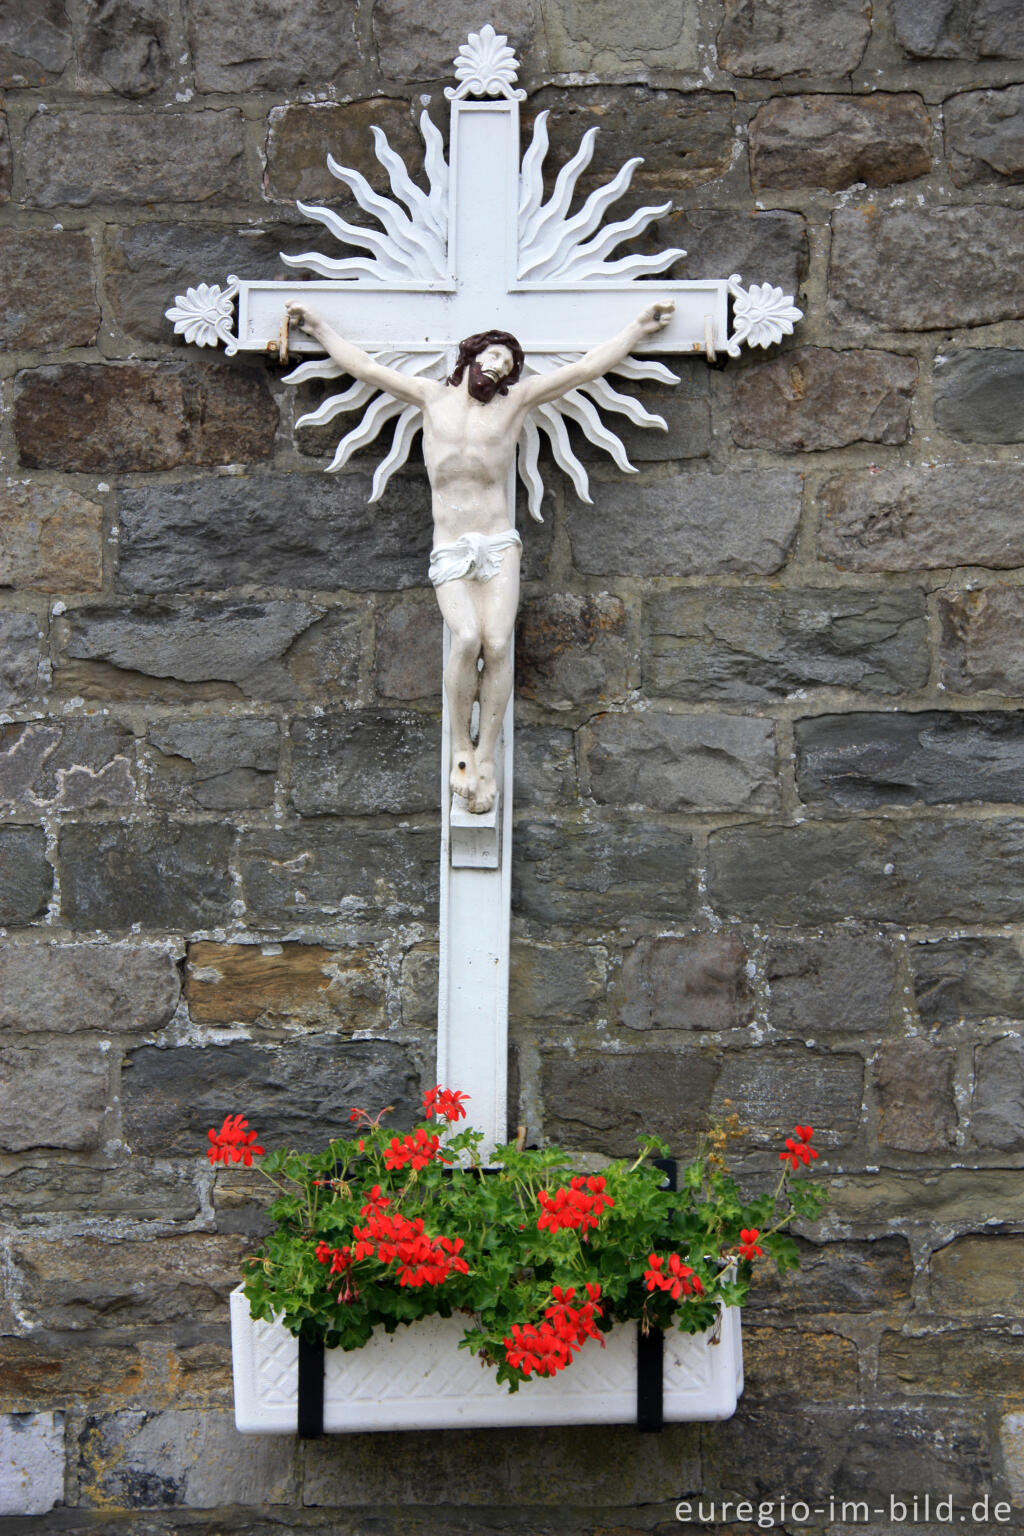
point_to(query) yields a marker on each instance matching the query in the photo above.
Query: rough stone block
(275, 530)
(923, 269)
(5, 160)
(571, 650)
(213, 765)
(686, 140)
(35, 42)
(593, 41)
(363, 762)
(980, 647)
(750, 645)
(877, 870)
(775, 1089)
(545, 769)
(985, 136)
(66, 765)
(485, 1483)
(324, 663)
(839, 1277)
(279, 46)
(59, 1190)
(273, 984)
(408, 650)
(780, 37)
(815, 398)
(49, 290)
(976, 1274)
(182, 1457)
(979, 394)
(54, 1098)
(698, 982)
(867, 1203)
(997, 1110)
(689, 525)
(557, 981)
(159, 874)
(236, 644)
(31, 1463)
(601, 1103)
(21, 660)
(864, 760)
(765, 245)
(1011, 1441)
(846, 1454)
(51, 539)
(914, 1081)
(446, 1469)
(66, 988)
(77, 1372)
(602, 873)
(145, 265)
(419, 986)
(960, 979)
(417, 44)
(804, 1363)
(904, 518)
(834, 141)
(316, 871)
(25, 876)
(126, 46)
(965, 1364)
(83, 158)
(300, 136)
(841, 981)
(978, 29)
(141, 416)
(97, 1282)
(296, 1094)
(681, 762)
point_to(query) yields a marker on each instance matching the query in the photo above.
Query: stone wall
(770, 795)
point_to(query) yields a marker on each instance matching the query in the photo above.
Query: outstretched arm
(543, 387)
(354, 360)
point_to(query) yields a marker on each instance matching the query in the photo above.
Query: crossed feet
(473, 780)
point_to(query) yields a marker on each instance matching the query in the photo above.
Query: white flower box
(418, 1378)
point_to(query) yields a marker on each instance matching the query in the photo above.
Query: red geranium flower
(798, 1152)
(446, 1102)
(679, 1281)
(233, 1143)
(749, 1247)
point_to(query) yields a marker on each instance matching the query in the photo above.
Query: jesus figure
(471, 425)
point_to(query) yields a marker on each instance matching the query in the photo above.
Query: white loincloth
(475, 556)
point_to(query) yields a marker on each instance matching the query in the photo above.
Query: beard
(480, 385)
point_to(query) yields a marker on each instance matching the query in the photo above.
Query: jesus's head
(494, 360)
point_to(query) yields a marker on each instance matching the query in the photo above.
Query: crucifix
(540, 314)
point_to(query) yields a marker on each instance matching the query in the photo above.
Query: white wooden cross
(482, 249)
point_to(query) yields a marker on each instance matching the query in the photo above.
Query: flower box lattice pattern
(418, 1378)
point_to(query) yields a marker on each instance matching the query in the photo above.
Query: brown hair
(471, 348)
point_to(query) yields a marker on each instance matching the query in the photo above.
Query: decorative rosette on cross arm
(762, 315)
(204, 315)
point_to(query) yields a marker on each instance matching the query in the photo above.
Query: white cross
(491, 254)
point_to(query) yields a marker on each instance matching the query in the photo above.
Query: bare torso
(469, 448)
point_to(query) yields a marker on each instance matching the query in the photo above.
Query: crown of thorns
(471, 348)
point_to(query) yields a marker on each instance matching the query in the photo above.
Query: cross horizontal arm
(545, 318)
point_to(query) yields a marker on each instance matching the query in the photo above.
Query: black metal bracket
(310, 1396)
(650, 1350)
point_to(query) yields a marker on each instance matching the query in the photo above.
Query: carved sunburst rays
(557, 247)
(379, 410)
(553, 246)
(414, 244)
